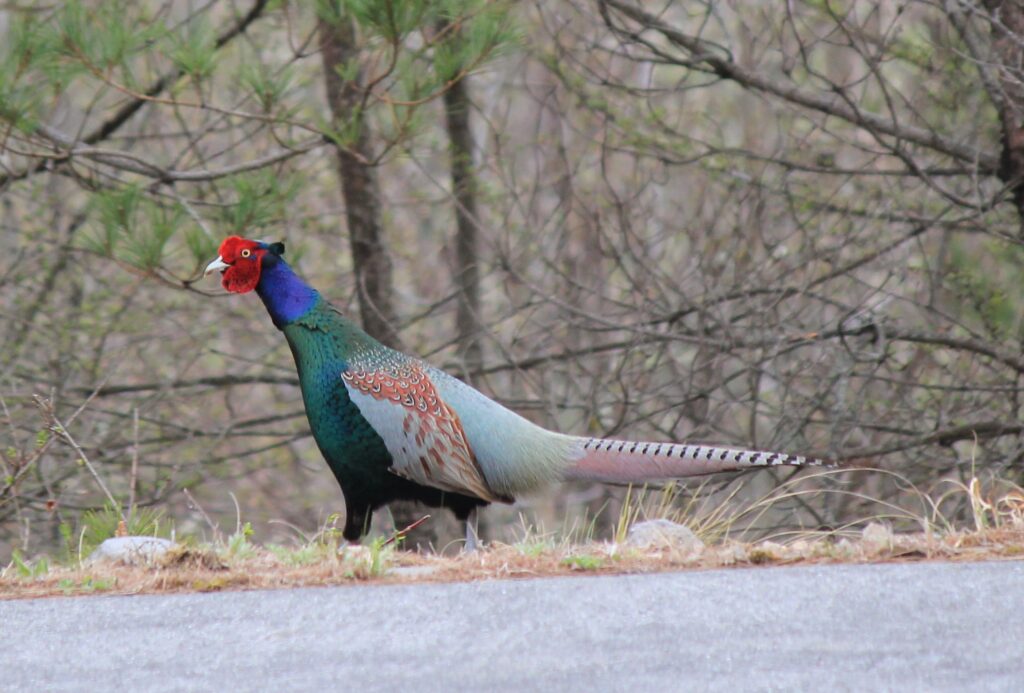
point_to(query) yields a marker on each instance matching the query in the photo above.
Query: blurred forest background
(788, 225)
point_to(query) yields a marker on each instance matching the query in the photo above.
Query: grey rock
(663, 534)
(877, 537)
(131, 550)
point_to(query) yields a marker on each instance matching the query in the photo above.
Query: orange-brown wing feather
(422, 433)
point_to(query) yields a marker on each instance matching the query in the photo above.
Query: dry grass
(205, 570)
(994, 531)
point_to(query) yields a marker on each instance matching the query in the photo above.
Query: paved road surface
(949, 627)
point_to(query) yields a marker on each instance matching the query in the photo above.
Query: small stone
(876, 538)
(663, 534)
(131, 550)
(800, 548)
(844, 548)
(766, 552)
(733, 553)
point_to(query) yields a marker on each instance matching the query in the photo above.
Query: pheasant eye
(246, 252)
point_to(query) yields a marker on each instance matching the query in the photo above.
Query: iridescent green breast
(322, 343)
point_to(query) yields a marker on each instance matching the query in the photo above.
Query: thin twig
(135, 460)
(61, 430)
(209, 520)
(238, 512)
(401, 533)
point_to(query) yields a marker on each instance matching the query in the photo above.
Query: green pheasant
(392, 427)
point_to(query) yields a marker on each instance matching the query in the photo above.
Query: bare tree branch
(706, 56)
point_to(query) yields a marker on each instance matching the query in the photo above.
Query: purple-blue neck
(286, 297)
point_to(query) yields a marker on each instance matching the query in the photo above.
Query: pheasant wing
(423, 434)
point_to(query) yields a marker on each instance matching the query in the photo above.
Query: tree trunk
(359, 188)
(467, 265)
(1006, 20)
(467, 246)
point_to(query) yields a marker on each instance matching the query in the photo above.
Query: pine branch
(125, 112)
(134, 163)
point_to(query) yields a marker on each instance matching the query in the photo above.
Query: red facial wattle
(240, 262)
(243, 275)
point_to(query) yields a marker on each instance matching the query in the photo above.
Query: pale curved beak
(217, 264)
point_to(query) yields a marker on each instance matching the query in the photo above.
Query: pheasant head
(241, 261)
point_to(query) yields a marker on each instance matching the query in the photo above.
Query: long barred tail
(629, 462)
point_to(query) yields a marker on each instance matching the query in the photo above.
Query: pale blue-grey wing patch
(515, 455)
